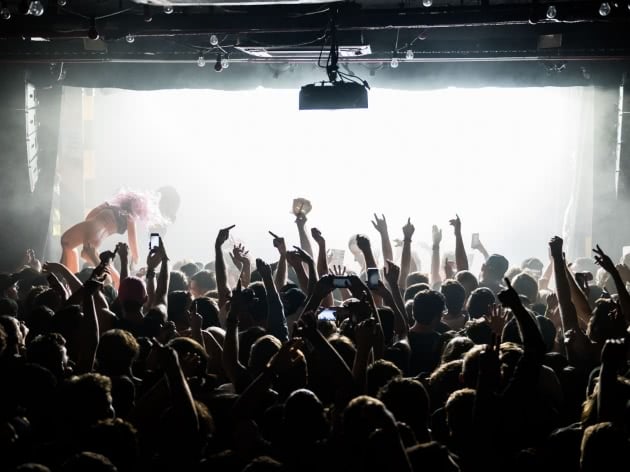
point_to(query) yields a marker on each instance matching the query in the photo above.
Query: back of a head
(189, 269)
(184, 346)
(455, 295)
(479, 302)
(49, 351)
(177, 281)
(456, 348)
(292, 299)
(132, 293)
(263, 464)
(261, 352)
(116, 439)
(459, 411)
(116, 351)
(417, 278)
(32, 467)
(496, 266)
(178, 304)
(204, 280)
(443, 381)
(534, 265)
(344, 347)
(8, 307)
(604, 447)
(525, 284)
(86, 399)
(431, 456)
(413, 290)
(428, 307)
(408, 400)
(468, 280)
(362, 417)
(379, 374)
(304, 416)
(209, 311)
(88, 461)
(470, 367)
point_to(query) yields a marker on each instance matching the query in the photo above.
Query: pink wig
(142, 206)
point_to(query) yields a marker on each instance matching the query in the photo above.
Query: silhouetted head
(428, 307)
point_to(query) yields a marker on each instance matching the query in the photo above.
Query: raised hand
(363, 243)
(392, 273)
(279, 243)
(614, 353)
(408, 230)
(194, 319)
(317, 235)
(293, 258)
(239, 255)
(436, 234)
(153, 259)
(449, 273)
(337, 270)
(287, 357)
(263, 269)
(603, 260)
(552, 301)
(555, 247)
(300, 219)
(223, 236)
(509, 297)
(497, 319)
(303, 255)
(306, 326)
(456, 223)
(380, 225)
(476, 244)
(122, 249)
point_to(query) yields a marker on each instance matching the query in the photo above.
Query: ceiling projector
(333, 96)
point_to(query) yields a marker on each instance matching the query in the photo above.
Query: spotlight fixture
(225, 63)
(409, 55)
(148, 18)
(62, 3)
(93, 32)
(393, 63)
(552, 12)
(168, 10)
(214, 40)
(201, 61)
(427, 3)
(130, 38)
(218, 65)
(604, 9)
(5, 13)
(35, 8)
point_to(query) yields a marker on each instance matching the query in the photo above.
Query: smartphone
(475, 240)
(327, 314)
(341, 281)
(372, 278)
(154, 241)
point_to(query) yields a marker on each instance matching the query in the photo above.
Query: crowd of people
(246, 365)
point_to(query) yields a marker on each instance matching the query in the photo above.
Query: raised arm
(242, 263)
(435, 256)
(380, 225)
(365, 336)
(219, 265)
(276, 322)
(405, 263)
(610, 401)
(89, 325)
(478, 245)
(312, 271)
(122, 249)
(234, 370)
(461, 259)
(366, 248)
(395, 300)
(296, 262)
(281, 271)
(563, 290)
(61, 270)
(602, 259)
(133, 240)
(161, 292)
(322, 260)
(578, 297)
(305, 243)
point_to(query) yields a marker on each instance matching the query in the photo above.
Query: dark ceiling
(466, 31)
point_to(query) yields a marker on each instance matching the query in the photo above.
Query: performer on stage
(117, 216)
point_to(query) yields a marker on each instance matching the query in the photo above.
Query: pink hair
(141, 206)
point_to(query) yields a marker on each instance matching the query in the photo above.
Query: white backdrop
(498, 157)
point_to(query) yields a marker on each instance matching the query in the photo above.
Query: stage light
(225, 63)
(93, 32)
(201, 61)
(62, 3)
(148, 18)
(552, 12)
(214, 41)
(35, 8)
(5, 13)
(393, 63)
(409, 55)
(218, 65)
(168, 10)
(130, 38)
(604, 9)
(427, 3)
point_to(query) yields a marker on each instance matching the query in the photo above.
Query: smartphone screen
(372, 277)
(327, 314)
(341, 281)
(154, 241)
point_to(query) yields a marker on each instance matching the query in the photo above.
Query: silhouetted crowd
(242, 365)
